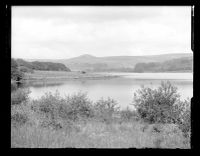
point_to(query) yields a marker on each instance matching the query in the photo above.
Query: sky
(61, 32)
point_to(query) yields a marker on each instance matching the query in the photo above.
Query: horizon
(70, 31)
(104, 56)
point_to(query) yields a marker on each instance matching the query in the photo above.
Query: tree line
(19, 67)
(181, 64)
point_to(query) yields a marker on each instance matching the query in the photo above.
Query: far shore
(62, 75)
(73, 75)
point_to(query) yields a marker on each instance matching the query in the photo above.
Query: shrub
(183, 111)
(20, 95)
(55, 110)
(20, 114)
(79, 106)
(105, 109)
(156, 105)
(127, 114)
(19, 119)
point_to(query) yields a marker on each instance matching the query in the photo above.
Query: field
(97, 135)
(62, 75)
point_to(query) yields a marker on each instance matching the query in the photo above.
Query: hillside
(36, 65)
(180, 64)
(114, 63)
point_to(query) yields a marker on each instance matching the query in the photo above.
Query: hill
(180, 64)
(36, 65)
(114, 63)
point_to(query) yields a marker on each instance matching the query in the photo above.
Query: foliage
(183, 110)
(156, 105)
(18, 119)
(29, 120)
(36, 65)
(105, 109)
(20, 95)
(80, 105)
(25, 69)
(55, 110)
(127, 114)
(180, 64)
(15, 73)
(20, 114)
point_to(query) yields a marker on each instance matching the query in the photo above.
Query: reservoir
(120, 88)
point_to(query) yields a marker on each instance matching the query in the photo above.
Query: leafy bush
(19, 119)
(127, 115)
(20, 114)
(20, 95)
(105, 109)
(79, 106)
(15, 73)
(156, 105)
(55, 110)
(183, 110)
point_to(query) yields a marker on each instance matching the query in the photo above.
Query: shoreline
(62, 76)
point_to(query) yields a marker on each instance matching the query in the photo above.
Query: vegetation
(16, 74)
(25, 69)
(163, 106)
(181, 64)
(18, 96)
(62, 75)
(53, 121)
(156, 105)
(118, 63)
(36, 65)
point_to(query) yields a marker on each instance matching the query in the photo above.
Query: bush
(183, 110)
(79, 106)
(127, 115)
(54, 110)
(20, 114)
(19, 119)
(156, 105)
(20, 95)
(105, 109)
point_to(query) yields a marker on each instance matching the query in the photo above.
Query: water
(121, 88)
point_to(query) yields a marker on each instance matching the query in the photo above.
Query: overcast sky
(62, 32)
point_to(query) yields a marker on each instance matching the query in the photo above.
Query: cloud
(62, 32)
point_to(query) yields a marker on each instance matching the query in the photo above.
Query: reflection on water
(121, 89)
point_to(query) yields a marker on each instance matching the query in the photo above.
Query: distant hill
(36, 65)
(174, 65)
(114, 63)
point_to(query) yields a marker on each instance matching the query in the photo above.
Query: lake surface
(121, 88)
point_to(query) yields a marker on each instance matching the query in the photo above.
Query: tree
(15, 73)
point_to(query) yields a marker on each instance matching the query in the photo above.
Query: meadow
(161, 120)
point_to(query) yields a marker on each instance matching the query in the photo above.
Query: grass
(62, 75)
(76, 122)
(96, 135)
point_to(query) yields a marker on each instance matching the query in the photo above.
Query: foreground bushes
(156, 107)
(129, 115)
(163, 105)
(105, 109)
(19, 95)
